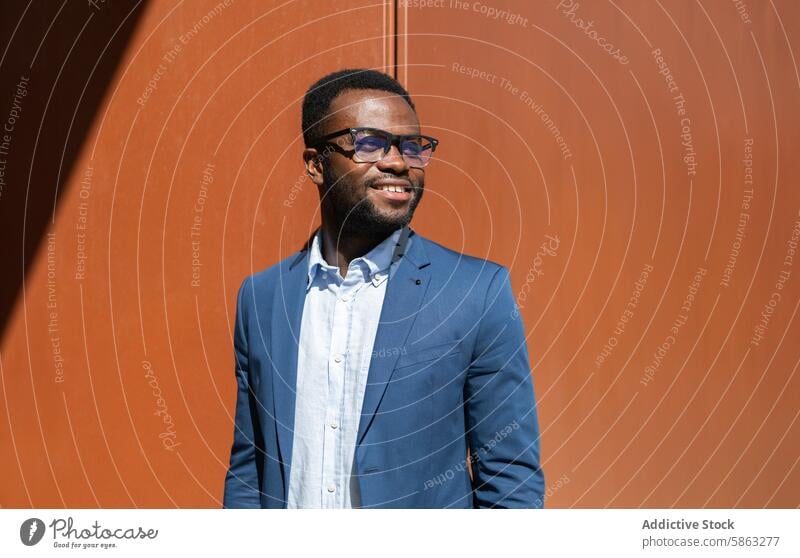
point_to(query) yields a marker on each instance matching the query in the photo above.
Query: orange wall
(575, 167)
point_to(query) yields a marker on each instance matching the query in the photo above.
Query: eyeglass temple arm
(331, 135)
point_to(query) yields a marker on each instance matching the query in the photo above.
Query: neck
(340, 247)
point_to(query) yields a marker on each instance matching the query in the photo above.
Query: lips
(392, 184)
(395, 190)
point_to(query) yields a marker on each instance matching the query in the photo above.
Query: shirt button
(331, 488)
(345, 298)
(338, 358)
(334, 425)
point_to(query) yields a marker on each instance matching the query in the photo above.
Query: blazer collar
(375, 263)
(416, 254)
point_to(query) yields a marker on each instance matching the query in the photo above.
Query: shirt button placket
(336, 377)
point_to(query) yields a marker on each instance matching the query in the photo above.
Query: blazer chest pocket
(429, 355)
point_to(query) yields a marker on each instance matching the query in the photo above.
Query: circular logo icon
(31, 531)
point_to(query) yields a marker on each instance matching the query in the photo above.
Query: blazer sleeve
(500, 407)
(242, 482)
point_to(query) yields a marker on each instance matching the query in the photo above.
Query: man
(369, 362)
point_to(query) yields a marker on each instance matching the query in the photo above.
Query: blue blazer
(449, 371)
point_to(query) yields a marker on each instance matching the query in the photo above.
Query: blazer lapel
(287, 311)
(405, 291)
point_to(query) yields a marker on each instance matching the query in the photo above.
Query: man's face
(354, 193)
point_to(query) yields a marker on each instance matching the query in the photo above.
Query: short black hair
(318, 98)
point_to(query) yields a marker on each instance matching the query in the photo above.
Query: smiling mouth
(398, 186)
(392, 187)
(394, 191)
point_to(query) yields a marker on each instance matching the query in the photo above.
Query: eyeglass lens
(371, 146)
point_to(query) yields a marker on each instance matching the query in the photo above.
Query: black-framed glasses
(370, 145)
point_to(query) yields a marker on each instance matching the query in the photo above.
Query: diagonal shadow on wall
(57, 61)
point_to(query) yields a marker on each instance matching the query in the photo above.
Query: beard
(360, 216)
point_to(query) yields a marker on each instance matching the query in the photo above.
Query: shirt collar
(378, 260)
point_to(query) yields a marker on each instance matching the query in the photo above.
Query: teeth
(392, 189)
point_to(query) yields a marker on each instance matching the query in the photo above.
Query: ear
(312, 159)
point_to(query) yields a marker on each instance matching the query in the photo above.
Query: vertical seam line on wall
(393, 28)
(405, 46)
(384, 57)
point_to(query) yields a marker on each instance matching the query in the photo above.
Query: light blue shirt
(337, 334)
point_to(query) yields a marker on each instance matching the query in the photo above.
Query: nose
(393, 161)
